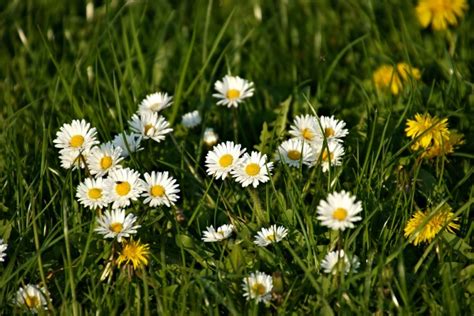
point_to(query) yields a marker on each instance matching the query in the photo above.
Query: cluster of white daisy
(315, 141)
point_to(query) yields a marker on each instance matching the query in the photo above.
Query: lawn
(327, 170)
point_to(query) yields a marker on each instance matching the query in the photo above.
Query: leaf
(265, 137)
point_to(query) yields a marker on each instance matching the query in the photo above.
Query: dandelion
(103, 159)
(3, 248)
(222, 159)
(191, 119)
(252, 169)
(258, 286)
(293, 152)
(90, 193)
(339, 211)
(424, 226)
(267, 236)
(129, 143)
(32, 297)
(232, 91)
(428, 131)
(76, 137)
(440, 13)
(331, 129)
(210, 137)
(221, 233)
(330, 155)
(445, 147)
(114, 224)
(387, 77)
(150, 125)
(154, 103)
(305, 128)
(335, 261)
(160, 188)
(122, 186)
(135, 253)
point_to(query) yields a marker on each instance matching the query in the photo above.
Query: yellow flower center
(226, 160)
(157, 190)
(122, 188)
(328, 132)
(307, 134)
(326, 156)
(294, 154)
(259, 289)
(76, 141)
(106, 162)
(147, 128)
(233, 94)
(94, 193)
(155, 106)
(339, 214)
(32, 301)
(271, 237)
(116, 227)
(252, 169)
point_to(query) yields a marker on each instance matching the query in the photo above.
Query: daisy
(339, 211)
(191, 119)
(154, 103)
(115, 224)
(424, 226)
(150, 125)
(222, 232)
(331, 129)
(334, 261)
(258, 286)
(294, 151)
(3, 248)
(305, 128)
(123, 185)
(73, 159)
(210, 137)
(32, 297)
(267, 236)
(252, 169)
(90, 193)
(232, 91)
(222, 159)
(103, 159)
(440, 13)
(77, 137)
(331, 155)
(428, 131)
(129, 143)
(135, 253)
(160, 188)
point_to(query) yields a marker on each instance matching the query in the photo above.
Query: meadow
(355, 118)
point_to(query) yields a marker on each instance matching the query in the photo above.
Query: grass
(304, 57)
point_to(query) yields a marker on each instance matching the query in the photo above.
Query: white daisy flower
(252, 169)
(90, 193)
(221, 233)
(160, 189)
(258, 286)
(306, 128)
(267, 236)
(77, 136)
(222, 159)
(73, 159)
(154, 103)
(3, 248)
(150, 125)
(339, 211)
(103, 159)
(232, 91)
(331, 129)
(294, 151)
(123, 185)
(210, 137)
(335, 261)
(32, 297)
(115, 224)
(333, 157)
(129, 143)
(191, 119)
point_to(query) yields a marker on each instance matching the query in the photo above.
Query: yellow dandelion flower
(429, 131)
(388, 77)
(135, 253)
(424, 226)
(444, 148)
(440, 13)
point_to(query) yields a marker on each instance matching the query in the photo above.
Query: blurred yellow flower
(387, 77)
(135, 253)
(421, 229)
(440, 13)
